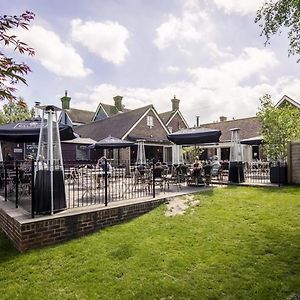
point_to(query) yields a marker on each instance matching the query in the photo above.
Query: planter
(278, 174)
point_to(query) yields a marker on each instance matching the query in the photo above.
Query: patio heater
(49, 173)
(236, 171)
(177, 156)
(141, 154)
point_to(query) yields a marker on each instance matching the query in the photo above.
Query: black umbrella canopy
(254, 141)
(111, 142)
(29, 131)
(194, 136)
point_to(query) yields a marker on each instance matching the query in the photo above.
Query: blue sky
(206, 52)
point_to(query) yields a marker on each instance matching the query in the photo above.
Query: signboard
(31, 149)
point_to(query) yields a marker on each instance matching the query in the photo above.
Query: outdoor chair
(207, 173)
(25, 183)
(159, 177)
(173, 178)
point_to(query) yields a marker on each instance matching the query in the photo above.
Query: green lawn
(238, 243)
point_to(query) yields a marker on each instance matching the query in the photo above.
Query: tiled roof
(111, 110)
(249, 127)
(166, 116)
(115, 126)
(80, 115)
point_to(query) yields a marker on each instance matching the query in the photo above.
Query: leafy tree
(15, 111)
(279, 126)
(277, 15)
(11, 73)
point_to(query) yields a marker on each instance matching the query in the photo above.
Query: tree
(277, 15)
(11, 72)
(15, 111)
(279, 126)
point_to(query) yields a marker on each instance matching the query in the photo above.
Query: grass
(238, 243)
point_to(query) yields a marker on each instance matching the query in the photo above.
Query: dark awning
(29, 131)
(255, 141)
(111, 143)
(195, 136)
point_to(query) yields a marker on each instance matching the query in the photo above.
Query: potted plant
(279, 126)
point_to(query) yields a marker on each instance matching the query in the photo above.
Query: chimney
(223, 119)
(36, 109)
(65, 101)
(175, 103)
(118, 103)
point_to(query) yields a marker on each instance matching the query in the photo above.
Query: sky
(208, 53)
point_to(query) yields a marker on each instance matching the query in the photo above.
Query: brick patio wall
(37, 233)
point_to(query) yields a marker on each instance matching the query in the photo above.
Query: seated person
(215, 166)
(101, 164)
(197, 169)
(207, 172)
(141, 169)
(158, 170)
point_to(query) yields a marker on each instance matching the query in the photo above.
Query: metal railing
(77, 184)
(84, 183)
(89, 184)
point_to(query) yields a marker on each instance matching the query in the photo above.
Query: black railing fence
(257, 172)
(77, 184)
(89, 184)
(83, 183)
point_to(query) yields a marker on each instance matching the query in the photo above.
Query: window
(150, 121)
(82, 152)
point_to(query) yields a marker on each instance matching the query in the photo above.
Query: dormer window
(150, 121)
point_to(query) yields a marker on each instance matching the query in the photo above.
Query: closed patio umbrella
(141, 154)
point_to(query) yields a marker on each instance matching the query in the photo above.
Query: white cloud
(242, 7)
(107, 39)
(55, 55)
(172, 69)
(193, 26)
(211, 92)
(252, 61)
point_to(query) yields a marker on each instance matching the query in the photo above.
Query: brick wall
(142, 130)
(177, 123)
(36, 233)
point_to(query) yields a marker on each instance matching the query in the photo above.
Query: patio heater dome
(49, 177)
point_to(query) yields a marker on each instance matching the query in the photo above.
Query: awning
(111, 143)
(29, 131)
(255, 141)
(195, 136)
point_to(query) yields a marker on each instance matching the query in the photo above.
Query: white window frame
(150, 121)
